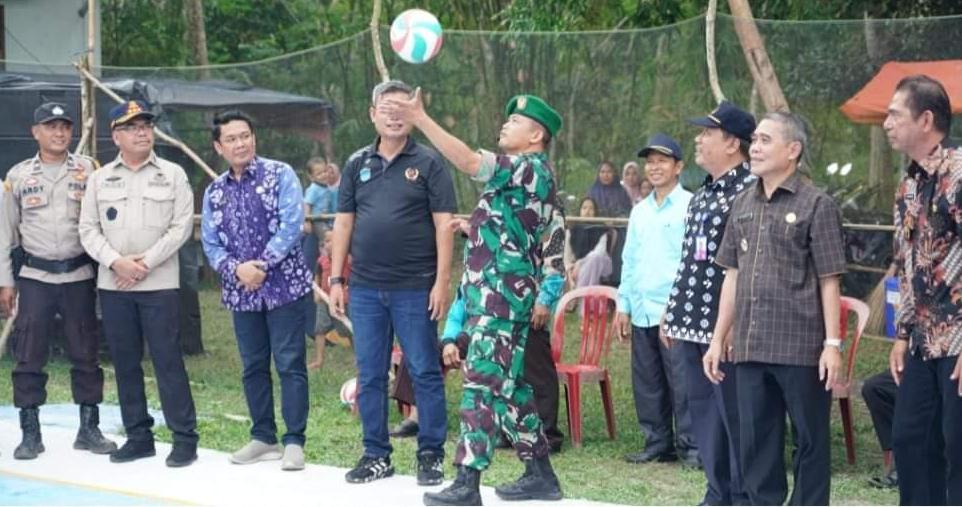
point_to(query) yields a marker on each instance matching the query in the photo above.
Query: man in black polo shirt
(395, 198)
(784, 255)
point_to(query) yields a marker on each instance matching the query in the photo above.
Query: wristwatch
(335, 280)
(833, 342)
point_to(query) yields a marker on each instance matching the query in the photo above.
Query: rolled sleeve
(827, 239)
(489, 164)
(290, 214)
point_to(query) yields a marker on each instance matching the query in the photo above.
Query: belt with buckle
(57, 267)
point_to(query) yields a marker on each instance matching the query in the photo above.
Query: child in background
(327, 329)
(320, 196)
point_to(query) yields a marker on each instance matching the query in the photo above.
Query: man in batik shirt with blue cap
(502, 268)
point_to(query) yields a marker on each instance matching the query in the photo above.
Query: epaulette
(93, 162)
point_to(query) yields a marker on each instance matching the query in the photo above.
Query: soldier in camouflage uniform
(502, 267)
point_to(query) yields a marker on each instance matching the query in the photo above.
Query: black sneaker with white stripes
(369, 469)
(430, 468)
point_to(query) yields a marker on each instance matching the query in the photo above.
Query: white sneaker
(293, 457)
(255, 451)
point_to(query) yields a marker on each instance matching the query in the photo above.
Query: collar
(939, 155)
(726, 179)
(151, 159)
(409, 147)
(250, 171)
(790, 185)
(71, 161)
(669, 199)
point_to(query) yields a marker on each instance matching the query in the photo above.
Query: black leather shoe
(652, 455)
(691, 459)
(133, 450)
(182, 455)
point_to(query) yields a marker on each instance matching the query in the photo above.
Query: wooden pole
(88, 102)
(756, 56)
(710, 50)
(376, 41)
(159, 133)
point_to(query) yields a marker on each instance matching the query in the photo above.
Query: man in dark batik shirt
(784, 253)
(721, 149)
(925, 360)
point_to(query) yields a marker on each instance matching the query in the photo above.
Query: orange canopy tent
(871, 103)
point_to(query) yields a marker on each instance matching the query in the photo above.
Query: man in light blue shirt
(652, 253)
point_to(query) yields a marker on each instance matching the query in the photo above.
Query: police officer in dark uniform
(41, 207)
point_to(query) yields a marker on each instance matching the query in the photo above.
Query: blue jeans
(278, 332)
(377, 315)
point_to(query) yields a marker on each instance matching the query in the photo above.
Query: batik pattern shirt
(504, 254)
(257, 217)
(928, 254)
(693, 302)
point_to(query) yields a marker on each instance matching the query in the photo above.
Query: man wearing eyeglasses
(135, 215)
(251, 229)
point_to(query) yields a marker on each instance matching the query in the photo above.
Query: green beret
(536, 109)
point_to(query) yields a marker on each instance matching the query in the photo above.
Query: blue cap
(127, 111)
(664, 144)
(730, 118)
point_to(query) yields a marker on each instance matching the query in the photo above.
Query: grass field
(596, 471)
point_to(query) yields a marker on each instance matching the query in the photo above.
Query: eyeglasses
(239, 138)
(139, 128)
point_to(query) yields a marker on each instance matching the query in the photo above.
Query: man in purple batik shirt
(251, 232)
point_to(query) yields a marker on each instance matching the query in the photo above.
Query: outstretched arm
(455, 150)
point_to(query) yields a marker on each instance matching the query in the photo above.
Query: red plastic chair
(597, 308)
(842, 389)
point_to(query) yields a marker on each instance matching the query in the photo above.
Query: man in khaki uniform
(41, 204)
(136, 214)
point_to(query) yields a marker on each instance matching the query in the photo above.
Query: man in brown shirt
(784, 253)
(925, 360)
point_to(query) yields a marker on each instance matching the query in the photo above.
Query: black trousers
(540, 372)
(927, 433)
(39, 303)
(129, 319)
(658, 380)
(714, 415)
(765, 392)
(879, 393)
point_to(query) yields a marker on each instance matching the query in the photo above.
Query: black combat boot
(465, 490)
(89, 437)
(538, 482)
(31, 445)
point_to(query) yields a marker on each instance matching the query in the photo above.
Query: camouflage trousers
(495, 397)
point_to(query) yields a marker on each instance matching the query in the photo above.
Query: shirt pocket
(112, 207)
(158, 205)
(34, 204)
(790, 245)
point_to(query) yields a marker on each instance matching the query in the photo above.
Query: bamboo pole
(376, 41)
(710, 51)
(763, 73)
(159, 133)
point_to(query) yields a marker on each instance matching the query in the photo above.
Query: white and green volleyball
(416, 36)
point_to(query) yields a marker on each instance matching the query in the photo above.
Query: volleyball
(349, 392)
(416, 36)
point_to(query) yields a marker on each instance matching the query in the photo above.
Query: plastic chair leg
(574, 409)
(609, 407)
(845, 408)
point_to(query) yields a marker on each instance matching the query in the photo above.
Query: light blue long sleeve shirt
(651, 256)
